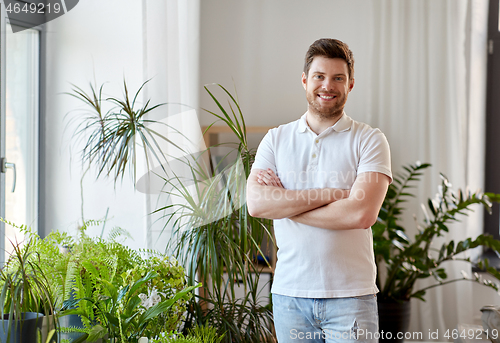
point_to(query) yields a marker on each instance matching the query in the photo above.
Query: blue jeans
(340, 320)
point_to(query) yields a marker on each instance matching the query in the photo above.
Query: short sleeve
(265, 157)
(375, 154)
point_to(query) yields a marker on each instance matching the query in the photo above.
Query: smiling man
(323, 178)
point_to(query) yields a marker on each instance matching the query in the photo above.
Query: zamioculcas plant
(403, 260)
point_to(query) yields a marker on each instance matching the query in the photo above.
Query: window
(21, 136)
(492, 177)
(19, 128)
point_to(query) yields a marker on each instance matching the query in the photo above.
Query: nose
(327, 84)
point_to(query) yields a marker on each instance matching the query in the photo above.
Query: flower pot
(394, 320)
(75, 321)
(23, 330)
(71, 320)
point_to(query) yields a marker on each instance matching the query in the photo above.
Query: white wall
(105, 42)
(98, 40)
(260, 45)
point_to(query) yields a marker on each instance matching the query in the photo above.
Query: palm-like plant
(113, 137)
(216, 238)
(407, 260)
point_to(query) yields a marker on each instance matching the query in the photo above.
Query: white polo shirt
(314, 262)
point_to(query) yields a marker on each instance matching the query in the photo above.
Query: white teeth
(326, 97)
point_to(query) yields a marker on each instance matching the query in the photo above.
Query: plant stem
(441, 284)
(81, 192)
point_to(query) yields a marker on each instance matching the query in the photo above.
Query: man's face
(327, 86)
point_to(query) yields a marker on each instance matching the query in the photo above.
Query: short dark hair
(330, 48)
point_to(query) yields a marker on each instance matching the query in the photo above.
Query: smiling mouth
(326, 97)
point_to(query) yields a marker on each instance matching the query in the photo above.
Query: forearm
(359, 211)
(277, 203)
(341, 215)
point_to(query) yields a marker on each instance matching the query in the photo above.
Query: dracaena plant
(402, 260)
(115, 130)
(215, 237)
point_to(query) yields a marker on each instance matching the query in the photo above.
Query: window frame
(35, 22)
(492, 164)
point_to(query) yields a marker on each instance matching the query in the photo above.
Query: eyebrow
(323, 73)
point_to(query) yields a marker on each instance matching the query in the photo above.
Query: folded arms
(328, 208)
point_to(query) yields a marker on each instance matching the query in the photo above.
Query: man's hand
(267, 198)
(359, 211)
(269, 178)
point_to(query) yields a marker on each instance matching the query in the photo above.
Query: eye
(318, 77)
(339, 78)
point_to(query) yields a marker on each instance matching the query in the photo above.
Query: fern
(92, 269)
(200, 334)
(68, 282)
(73, 329)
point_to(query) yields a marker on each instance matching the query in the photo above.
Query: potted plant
(213, 233)
(66, 260)
(199, 334)
(26, 299)
(121, 315)
(217, 239)
(102, 282)
(402, 260)
(113, 137)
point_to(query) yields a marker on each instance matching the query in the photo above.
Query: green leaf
(132, 304)
(165, 305)
(441, 251)
(419, 295)
(83, 338)
(432, 207)
(97, 332)
(449, 249)
(149, 276)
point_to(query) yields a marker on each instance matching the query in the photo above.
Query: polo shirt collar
(343, 124)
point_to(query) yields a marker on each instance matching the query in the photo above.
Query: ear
(351, 84)
(304, 80)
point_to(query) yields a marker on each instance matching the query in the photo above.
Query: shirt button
(314, 155)
(317, 141)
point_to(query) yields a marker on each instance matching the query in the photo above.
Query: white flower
(153, 298)
(143, 297)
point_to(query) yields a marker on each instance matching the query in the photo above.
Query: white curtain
(428, 97)
(171, 61)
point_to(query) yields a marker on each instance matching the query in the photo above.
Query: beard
(326, 111)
